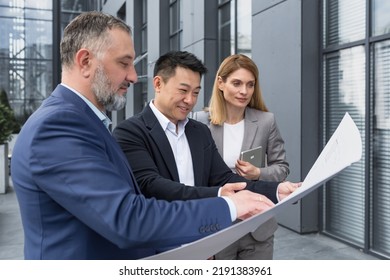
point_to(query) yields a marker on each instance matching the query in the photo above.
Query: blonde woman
(239, 120)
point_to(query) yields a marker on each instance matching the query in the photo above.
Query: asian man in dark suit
(170, 153)
(77, 194)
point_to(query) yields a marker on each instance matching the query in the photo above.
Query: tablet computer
(255, 156)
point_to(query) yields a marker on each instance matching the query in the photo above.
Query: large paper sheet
(342, 149)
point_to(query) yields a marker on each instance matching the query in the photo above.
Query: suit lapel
(217, 133)
(161, 140)
(101, 130)
(123, 158)
(250, 130)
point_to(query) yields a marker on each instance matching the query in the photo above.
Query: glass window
(344, 87)
(381, 147)
(144, 27)
(72, 8)
(175, 24)
(244, 27)
(364, 187)
(79, 6)
(380, 17)
(226, 38)
(26, 54)
(26, 49)
(234, 28)
(140, 95)
(42, 4)
(345, 21)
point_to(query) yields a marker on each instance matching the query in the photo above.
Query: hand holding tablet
(254, 156)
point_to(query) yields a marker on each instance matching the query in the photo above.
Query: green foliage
(7, 123)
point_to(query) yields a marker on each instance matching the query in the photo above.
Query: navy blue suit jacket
(78, 197)
(150, 155)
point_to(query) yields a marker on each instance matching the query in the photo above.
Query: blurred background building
(317, 59)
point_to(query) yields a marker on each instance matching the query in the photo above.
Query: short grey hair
(88, 30)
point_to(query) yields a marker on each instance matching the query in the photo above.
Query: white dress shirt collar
(101, 115)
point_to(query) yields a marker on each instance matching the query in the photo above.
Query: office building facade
(317, 59)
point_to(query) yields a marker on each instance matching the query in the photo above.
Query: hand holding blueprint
(342, 149)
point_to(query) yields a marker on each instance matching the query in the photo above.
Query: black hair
(166, 65)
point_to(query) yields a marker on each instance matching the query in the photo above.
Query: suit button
(213, 228)
(202, 229)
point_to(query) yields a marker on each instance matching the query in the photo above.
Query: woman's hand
(247, 170)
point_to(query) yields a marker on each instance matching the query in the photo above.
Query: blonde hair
(217, 105)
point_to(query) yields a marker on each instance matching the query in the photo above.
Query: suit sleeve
(71, 164)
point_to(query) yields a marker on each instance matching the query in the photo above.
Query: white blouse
(233, 136)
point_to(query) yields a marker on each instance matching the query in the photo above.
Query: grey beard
(114, 102)
(104, 92)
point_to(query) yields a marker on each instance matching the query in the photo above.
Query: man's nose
(132, 76)
(190, 98)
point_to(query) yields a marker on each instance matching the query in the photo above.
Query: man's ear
(83, 62)
(157, 82)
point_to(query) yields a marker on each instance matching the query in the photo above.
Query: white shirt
(233, 136)
(179, 144)
(182, 153)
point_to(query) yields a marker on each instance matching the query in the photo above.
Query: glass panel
(30, 82)
(25, 13)
(381, 148)
(39, 15)
(224, 14)
(244, 27)
(226, 40)
(26, 55)
(42, 4)
(380, 17)
(144, 40)
(345, 21)
(72, 8)
(144, 11)
(345, 92)
(174, 43)
(26, 49)
(79, 6)
(173, 17)
(38, 40)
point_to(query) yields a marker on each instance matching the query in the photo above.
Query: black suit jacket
(149, 153)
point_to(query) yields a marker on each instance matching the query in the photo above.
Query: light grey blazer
(260, 129)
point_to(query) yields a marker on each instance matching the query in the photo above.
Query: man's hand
(231, 188)
(249, 203)
(286, 188)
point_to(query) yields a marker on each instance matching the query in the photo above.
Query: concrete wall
(285, 48)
